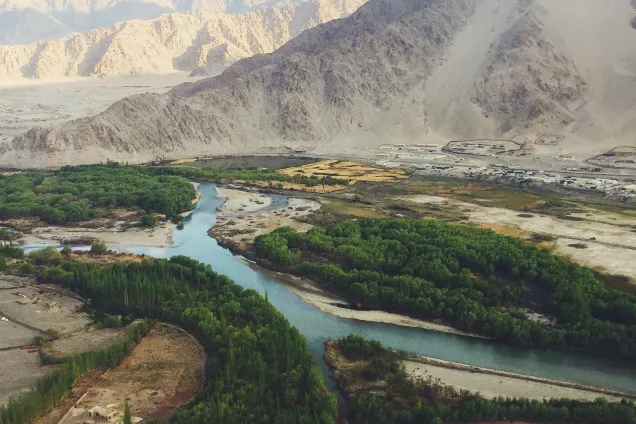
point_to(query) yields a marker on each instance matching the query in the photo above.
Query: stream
(317, 326)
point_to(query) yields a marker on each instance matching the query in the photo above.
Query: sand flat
(160, 236)
(241, 202)
(490, 385)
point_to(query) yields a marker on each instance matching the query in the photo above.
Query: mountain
(394, 71)
(206, 43)
(29, 21)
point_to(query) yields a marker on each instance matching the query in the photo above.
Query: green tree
(127, 413)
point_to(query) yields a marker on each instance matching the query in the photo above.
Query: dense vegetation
(259, 369)
(52, 387)
(472, 278)
(82, 193)
(247, 175)
(406, 401)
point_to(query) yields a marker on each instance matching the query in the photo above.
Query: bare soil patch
(19, 370)
(238, 225)
(15, 335)
(40, 310)
(238, 202)
(163, 372)
(119, 233)
(83, 342)
(82, 385)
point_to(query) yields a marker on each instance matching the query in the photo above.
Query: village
(500, 161)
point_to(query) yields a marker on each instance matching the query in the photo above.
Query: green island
(471, 278)
(82, 193)
(379, 391)
(259, 368)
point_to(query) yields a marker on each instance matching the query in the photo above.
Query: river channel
(317, 326)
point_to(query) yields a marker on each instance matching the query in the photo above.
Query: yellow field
(183, 161)
(351, 171)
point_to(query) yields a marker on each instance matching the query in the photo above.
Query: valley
(251, 204)
(317, 212)
(27, 103)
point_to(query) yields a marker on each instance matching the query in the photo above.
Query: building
(104, 414)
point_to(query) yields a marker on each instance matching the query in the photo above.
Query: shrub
(99, 247)
(46, 256)
(149, 220)
(27, 269)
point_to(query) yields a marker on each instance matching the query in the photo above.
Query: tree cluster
(259, 369)
(472, 278)
(82, 193)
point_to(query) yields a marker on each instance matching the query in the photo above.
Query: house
(104, 414)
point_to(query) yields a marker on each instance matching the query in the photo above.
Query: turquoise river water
(318, 326)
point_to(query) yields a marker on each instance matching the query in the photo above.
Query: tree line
(408, 401)
(82, 193)
(245, 175)
(259, 368)
(472, 278)
(54, 386)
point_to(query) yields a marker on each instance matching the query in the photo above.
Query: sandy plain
(491, 384)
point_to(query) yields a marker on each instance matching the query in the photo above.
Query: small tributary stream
(317, 326)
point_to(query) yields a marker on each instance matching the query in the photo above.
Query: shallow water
(318, 326)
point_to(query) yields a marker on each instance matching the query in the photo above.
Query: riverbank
(236, 230)
(318, 326)
(121, 230)
(239, 202)
(309, 292)
(159, 236)
(244, 215)
(395, 387)
(493, 383)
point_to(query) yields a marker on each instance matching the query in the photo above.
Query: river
(317, 326)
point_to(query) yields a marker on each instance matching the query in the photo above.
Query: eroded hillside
(412, 70)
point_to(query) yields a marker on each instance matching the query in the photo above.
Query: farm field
(82, 342)
(163, 372)
(352, 171)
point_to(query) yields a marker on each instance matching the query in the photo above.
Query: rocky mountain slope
(394, 71)
(28, 21)
(206, 43)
